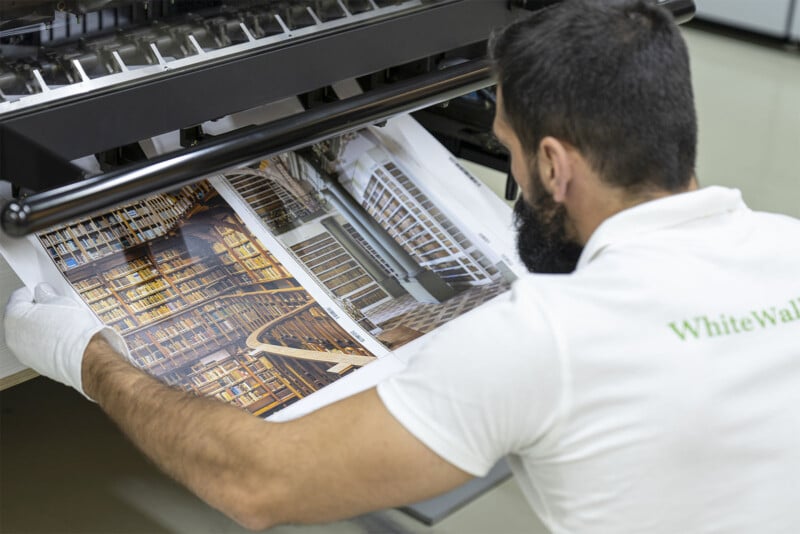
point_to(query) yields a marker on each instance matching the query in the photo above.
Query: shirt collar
(660, 213)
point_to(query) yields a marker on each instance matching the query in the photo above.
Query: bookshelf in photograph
(96, 237)
(144, 283)
(339, 272)
(128, 290)
(274, 194)
(187, 302)
(245, 258)
(141, 287)
(423, 230)
(373, 254)
(177, 348)
(250, 383)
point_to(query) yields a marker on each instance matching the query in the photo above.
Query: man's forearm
(203, 443)
(345, 459)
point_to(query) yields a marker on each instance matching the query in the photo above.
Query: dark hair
(609, 77)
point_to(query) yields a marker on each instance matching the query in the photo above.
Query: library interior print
(201, 303)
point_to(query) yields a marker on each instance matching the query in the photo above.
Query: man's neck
(608, 201)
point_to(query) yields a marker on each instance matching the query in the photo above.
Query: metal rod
(42, 210)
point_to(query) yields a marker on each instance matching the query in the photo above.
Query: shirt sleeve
(485, 385)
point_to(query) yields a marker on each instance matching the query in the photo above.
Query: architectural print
(385, 249)
(201, 303)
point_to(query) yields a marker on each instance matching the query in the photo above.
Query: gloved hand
(49, 333)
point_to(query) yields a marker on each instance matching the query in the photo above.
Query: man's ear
(555, 167)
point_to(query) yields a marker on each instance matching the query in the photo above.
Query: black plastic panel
(102, 121)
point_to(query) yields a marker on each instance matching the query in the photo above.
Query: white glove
(49, 333)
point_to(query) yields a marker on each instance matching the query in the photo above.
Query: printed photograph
(367, 230)
(201, 303)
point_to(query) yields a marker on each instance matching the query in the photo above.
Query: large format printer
(93, 78)
(90, 80)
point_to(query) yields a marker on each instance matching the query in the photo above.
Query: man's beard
(542, 240)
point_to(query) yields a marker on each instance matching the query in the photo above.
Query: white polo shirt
(654, 390)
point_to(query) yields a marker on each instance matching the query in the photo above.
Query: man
(654, 389)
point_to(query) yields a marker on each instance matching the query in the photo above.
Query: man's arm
(342, 460)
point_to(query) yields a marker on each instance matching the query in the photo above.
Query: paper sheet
(290, 283)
